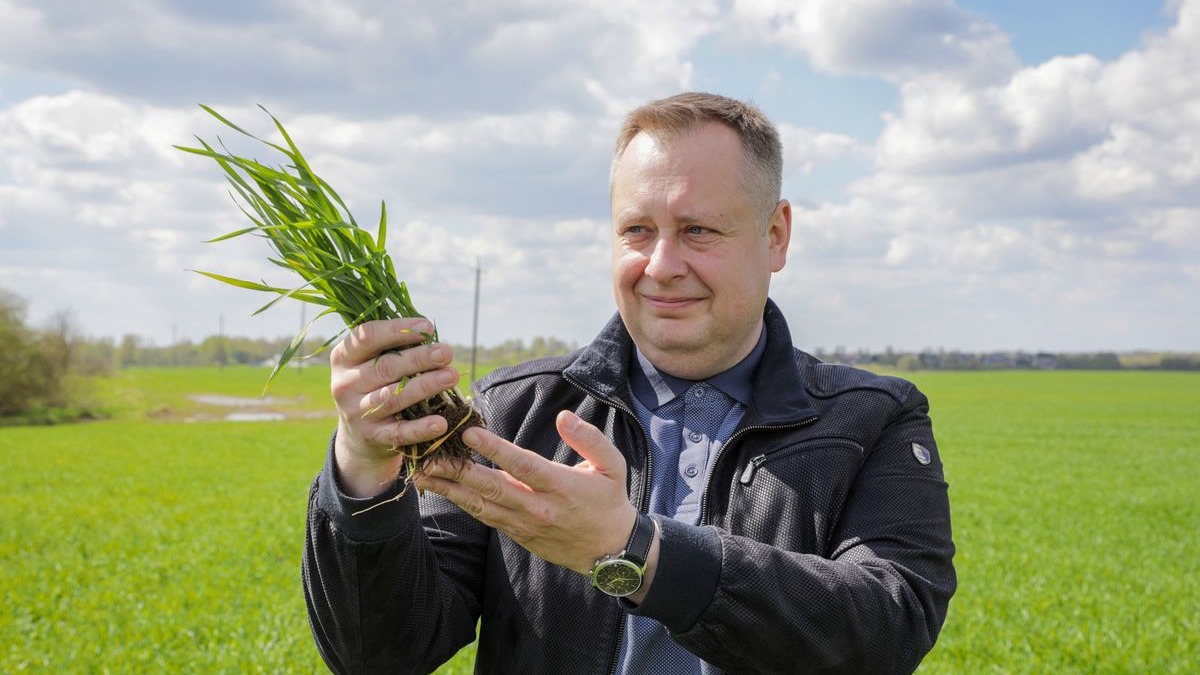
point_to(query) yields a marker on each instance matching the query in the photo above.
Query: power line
(475, 324)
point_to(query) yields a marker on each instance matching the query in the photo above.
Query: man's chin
(672, 338)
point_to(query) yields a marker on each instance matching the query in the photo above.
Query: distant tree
(30, 379)
(1090, 361)
(91, 357)
(131, 350)
(1181, 362)
(60, 339)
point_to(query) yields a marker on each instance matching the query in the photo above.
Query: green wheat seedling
(344, 269)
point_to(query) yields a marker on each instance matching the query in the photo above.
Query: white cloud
(997, 196)
(806, 149)
(1177, 227)
(96, 185)
(1065, 185)
(894, 40)
(339, 20)
(446, 59)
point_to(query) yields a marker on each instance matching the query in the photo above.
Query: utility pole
(475, 325)
(220, 343)
(300, 361)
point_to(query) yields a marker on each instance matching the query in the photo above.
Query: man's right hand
(369, 387)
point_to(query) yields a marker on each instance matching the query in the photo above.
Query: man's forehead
(647, 158)
(668, 136)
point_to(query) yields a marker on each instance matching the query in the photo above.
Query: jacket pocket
(792, 497)
(758, 461)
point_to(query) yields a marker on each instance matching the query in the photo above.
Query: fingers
(391, 367)
(365, 381)
(371, 385)
(399, 433)
(382, 368)
(565, 514)
(525, 466)
(591, 444)
(394, 397)
(530, 469)
(519, 475)
(489, 495)
(367, 340)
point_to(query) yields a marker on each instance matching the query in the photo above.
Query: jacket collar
(603, 367)
(781, 376)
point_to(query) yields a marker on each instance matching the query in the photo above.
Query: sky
(970, 174)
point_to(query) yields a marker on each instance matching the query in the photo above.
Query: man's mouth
(668, 303)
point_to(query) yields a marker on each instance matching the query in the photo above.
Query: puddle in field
(247, 409)
(235, 401)
(255, 417)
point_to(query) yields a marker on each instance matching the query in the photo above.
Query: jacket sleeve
(875, 604)
(385, 592)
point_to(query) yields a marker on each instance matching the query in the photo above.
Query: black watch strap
(638, 548)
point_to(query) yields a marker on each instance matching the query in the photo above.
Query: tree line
(134, 351)
(45, 369)
(1003, 360)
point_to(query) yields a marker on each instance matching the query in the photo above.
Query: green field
(169, 540)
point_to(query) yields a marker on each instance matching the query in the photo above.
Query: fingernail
(570, 420)
(471, 438)
(438, 354)
(445, 379)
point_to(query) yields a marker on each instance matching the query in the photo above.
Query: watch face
(618, 577)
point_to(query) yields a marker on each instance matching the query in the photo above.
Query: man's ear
(779, 234)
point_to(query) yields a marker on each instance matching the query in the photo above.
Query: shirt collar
(655, 388)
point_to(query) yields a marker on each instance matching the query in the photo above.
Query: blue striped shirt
(687, 422)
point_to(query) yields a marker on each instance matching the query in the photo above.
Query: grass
(168, 392)
(1075, 500)
(150, 543)
(345, 269)
(156, 547)
(157, 544)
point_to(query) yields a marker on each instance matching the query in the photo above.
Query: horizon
(526, 342)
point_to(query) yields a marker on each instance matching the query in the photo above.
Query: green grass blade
(241, 283)
(231, 235)
(382, 238)
(311, 231)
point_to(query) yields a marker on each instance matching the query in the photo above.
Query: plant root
(460, 413)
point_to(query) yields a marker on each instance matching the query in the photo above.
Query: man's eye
(697, 230)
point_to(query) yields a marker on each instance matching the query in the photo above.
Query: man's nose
(666, 260)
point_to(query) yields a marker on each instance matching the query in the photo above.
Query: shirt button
(695, 436)
(691, 471)
(700, 392)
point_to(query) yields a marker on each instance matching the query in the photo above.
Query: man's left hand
(566, 515)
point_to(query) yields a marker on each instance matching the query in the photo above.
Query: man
(687, 494)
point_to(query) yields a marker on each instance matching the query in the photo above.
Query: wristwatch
(620, 575)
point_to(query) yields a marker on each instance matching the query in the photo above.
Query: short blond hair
(674, 116)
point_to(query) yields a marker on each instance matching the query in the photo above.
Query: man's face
(691, 260)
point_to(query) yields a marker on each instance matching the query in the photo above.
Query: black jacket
(824, 543)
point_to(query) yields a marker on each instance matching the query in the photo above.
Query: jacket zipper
(728, 444)
(758, 460)
(642, 506)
